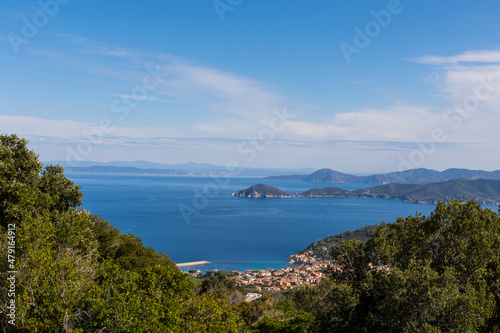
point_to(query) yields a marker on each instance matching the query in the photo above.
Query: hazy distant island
(485, 191)
(413, 176)
(191, 168)
(108, 169)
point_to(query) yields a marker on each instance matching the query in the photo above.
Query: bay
(194, 218)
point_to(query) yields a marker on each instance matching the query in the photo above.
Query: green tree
(418, 273)
(220, 286)
(55, 251)
(77, 273)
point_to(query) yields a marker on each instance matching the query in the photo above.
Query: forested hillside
(77, 273)
(412, 176)
(74, 272)
(321, 248)
(485, 191)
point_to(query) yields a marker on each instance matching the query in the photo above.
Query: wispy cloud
(342, 155)
(398, 123)
(223, 92)
(76, 131)
(234, 107)
(89, 46)
(469, 83)
(481, 56)
(71, 131)
(139, 98)
(219, 92)
(472, 76)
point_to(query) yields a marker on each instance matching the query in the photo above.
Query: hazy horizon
(370, 87)
(142, 164)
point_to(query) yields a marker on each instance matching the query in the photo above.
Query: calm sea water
(194, 218)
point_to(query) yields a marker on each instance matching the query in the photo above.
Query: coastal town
(307, 269)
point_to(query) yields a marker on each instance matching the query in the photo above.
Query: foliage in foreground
(77, 273)
(421, 274)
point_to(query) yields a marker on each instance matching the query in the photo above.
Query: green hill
(484, 191)
(413, 176)
(322, 247)
(77, 273)
(262, 191)
(74, 272)
(326, 192)
(481, 190)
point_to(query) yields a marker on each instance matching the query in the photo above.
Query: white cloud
(97, 48)
(469, 76)
(226, 127)
(483, 56)
(238, 106)
(219, 92)
(399, 123)
(470, 83)
(137, 97)
(76, 131)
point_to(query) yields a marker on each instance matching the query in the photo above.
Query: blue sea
(194, 218)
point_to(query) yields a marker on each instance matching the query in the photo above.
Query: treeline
(420, 274)
(77, 273)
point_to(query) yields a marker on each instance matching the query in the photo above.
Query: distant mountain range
(481, 190)
(142, 167)
(126, 170)
(414, 176)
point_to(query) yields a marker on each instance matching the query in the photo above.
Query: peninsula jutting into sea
(484, 191)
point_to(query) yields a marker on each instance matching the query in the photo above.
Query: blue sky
(356, 86)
